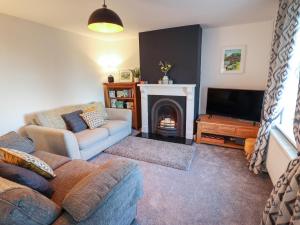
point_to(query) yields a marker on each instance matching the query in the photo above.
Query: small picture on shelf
(113, 103)
(129, 105)
(112, 94)
(120, 94)
(120, 104)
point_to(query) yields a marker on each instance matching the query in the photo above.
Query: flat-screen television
(241, 104)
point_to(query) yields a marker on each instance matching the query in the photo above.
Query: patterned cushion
(74, 121)
(26, 161)
(16, 141)
(20, 205)
(93, 119)
(26, 177)
(97, 106)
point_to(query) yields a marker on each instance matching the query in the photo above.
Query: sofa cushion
(53, 160)
(88, 138)
(93, 119)
(27, 161)
(16, 141)
(96, 106)
(21, 205)
(92, 191)
(52, 118)
(26, 177)
(68, 176)
(115, 126)
(74, 121)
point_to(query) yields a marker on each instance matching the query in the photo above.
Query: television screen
(241, 104)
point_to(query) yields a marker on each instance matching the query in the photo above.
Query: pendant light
(105, 20)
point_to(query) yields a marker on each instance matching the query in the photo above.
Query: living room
(149, 112)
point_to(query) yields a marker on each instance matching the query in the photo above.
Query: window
(290, 95)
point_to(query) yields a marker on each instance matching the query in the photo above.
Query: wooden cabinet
(131, 99)
(224, 131)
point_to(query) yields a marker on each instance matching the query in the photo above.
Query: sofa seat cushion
(115, 126)
(89, 137)
(53, 160)
(68, 176)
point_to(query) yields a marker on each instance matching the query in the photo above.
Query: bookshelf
(124, 96)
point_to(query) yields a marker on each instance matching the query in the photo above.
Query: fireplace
(167, 115)
(168, 111)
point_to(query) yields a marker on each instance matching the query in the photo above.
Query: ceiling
(141, 15)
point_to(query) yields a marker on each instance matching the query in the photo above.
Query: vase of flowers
(136, 72)
(165, 67)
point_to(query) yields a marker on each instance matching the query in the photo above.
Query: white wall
(256, 36)
(43, 68)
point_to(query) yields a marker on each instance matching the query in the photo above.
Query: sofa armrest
(57, 141)
(119, 114)
(104, 191)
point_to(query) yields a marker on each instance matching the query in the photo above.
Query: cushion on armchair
(26, 177)
(21, 205)
(91, 192)
(15, 141)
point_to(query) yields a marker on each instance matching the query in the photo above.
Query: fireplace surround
(166, 104)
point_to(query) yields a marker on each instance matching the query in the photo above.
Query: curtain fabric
(287, 25)
(283, 205)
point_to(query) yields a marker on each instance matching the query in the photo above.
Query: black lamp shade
(105, 20)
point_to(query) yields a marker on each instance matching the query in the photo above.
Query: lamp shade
(105, 20)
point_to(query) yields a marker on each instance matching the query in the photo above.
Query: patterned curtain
(287, 25)
(283, 205)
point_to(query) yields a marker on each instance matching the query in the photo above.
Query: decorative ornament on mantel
(104, 20)
(165, 67)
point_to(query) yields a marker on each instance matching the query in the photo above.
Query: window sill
(286, 136)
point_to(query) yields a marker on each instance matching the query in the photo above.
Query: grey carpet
(178, 156)
(217, 190)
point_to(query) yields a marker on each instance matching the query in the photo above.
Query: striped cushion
(27, 161)
(93, 119)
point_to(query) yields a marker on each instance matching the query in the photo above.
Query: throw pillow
(93, 119)
(27, 161)
(96, 106)
(74, 121)
(15, 141)
(26, 177)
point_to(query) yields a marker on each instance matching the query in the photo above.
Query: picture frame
(125, 76)
(233, 59)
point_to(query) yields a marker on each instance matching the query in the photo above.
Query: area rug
(168, 154)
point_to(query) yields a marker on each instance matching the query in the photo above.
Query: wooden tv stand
(224, 131)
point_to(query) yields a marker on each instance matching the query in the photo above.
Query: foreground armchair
(84, 194)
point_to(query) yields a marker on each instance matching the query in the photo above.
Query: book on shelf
(112, 93)
(113, 103)
(129, 105)
(120, 104)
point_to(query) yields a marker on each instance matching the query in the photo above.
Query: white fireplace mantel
(187, 90)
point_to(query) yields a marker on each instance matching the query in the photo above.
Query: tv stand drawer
(247, 132)
(226, 130)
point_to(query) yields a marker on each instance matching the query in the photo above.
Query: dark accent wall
(180, 46)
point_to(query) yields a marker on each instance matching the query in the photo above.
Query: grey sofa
(85, 194)
(49, 133)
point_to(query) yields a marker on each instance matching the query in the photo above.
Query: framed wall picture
(233, 59)
(125, 76)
